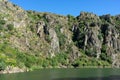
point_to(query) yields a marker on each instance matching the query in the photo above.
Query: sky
(72, 7)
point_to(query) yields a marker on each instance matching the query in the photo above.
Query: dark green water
(65, 74)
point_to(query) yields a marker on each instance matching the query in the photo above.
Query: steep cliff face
(32, 39)
(91, 28)
(99, 36)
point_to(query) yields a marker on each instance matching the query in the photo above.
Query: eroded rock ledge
(12, 70)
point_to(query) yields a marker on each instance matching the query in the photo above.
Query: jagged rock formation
(99, 32)
(50, 40)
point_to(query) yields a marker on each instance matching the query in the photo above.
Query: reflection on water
(66, 74)
(92, 78)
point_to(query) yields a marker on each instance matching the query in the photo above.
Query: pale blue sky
(73, 7)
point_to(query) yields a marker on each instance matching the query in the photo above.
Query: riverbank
(10, 69)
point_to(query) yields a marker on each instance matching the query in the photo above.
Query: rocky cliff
(30, 39)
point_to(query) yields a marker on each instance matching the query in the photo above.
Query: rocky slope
(34, 40)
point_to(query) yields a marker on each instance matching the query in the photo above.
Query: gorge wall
(32, 40)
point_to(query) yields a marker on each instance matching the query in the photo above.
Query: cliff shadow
(92, 78)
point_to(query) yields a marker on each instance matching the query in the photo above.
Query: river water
(66, 74)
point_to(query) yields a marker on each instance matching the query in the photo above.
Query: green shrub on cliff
(2, 22)
(2, 65)
(10, 27)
